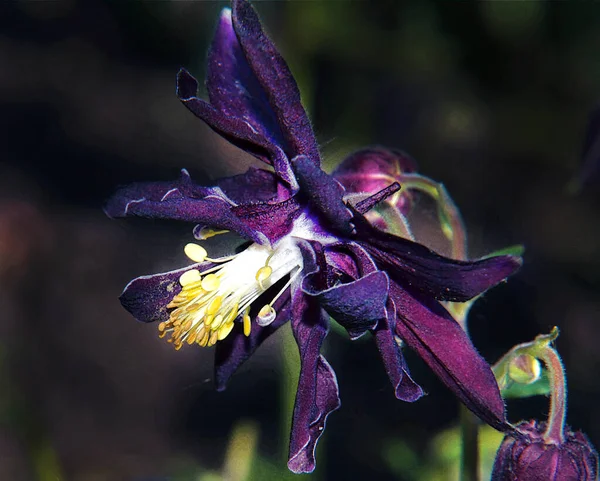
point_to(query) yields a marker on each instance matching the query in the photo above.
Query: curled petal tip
(187, 85)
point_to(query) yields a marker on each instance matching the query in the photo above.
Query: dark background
(490, 98)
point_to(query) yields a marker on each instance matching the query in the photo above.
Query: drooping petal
(235, 349)
(323, 193)
(146, 297)
(275, 77)
(412, 264)
(405, 388)
(428, 329)
(318, 393)
(236, 130)
(358, 306)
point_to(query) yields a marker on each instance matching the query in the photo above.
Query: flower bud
(371, 170)
(527, 456)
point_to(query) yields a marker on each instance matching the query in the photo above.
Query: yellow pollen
(195, 252)
(247, 324)
(189, 277)
(208, 320)
(213, 338)
(162, 326)
(216, 323)
(262, 275)
(210, 283)
(204, 341)
(224, 330)
(214, 305)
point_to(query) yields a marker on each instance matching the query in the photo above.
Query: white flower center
(209, 302)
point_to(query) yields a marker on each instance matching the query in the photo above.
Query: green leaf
(516, 250)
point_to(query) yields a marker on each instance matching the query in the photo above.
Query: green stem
(469, 466)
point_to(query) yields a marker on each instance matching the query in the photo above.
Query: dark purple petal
(236, 130)
(317, 394)
(372, 169)
(414, 265)
(405, 388)
(235, 349)
(146, 297)
(232, 86)
(428, 329)
(211, 211)
(256, 185)
(275, 77)
(272, 220)
(323, 193)
(117, 206)
(358, 306)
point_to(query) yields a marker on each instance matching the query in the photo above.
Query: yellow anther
(210, 283)
(247, 325)
(263, 274)
(195, 252)
(214, 305)
(204, 341)
(191, 339)
(189, 277)
(213, 338)
(266, 315)
(224, 330)
(207, 233)
(162, 326)
(177, 345)
(208, 320)
(216, 322)
(232, 315)
(187, 325)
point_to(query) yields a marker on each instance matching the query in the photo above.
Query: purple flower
(525, 456)
(311, 255)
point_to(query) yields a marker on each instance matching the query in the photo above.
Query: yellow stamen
(247, 324)
(262, 275)
(224, 330)
(195, 252)
(210, 283)
(207, 233)
(214, 305)
(266, 315)
(189, 277)
(213, 338)
(217, 322)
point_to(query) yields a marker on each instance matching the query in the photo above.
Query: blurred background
(490, 98)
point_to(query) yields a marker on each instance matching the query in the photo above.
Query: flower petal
(256, 185)
(358, 306)
(323, 192)
(232, 86)
(318, 393)
(235, 349)
(412, 264)
(146, 297)
(145, 200)
(275, 77)
(427, 328)
(405, 388)
(236, 130)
